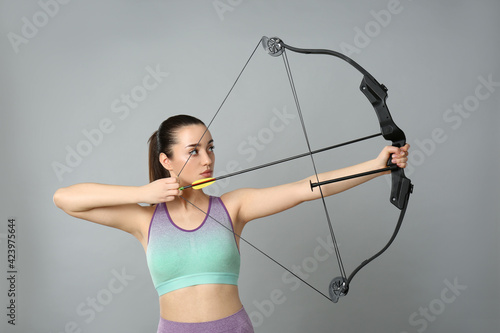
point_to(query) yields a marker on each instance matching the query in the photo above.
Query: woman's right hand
(161, 190)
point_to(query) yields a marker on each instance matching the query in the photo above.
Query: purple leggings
(235, 323)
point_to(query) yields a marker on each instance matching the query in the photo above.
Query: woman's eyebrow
(193, 145)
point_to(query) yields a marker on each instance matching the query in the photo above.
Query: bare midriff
(200, 303)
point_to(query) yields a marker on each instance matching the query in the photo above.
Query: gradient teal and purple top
(179, 258)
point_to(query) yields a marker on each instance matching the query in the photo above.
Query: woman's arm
(256, 203)
(114, 205)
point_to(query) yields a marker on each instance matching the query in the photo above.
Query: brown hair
(162, 141)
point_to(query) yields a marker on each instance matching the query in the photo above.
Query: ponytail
(162, 141)
(156, 170)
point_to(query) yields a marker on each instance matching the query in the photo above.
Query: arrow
(357, 175)
(201, 183)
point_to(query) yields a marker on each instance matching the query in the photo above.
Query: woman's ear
(165, 162)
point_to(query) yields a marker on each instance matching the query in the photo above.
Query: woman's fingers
(400, 156)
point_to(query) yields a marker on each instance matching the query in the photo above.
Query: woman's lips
(206, 174)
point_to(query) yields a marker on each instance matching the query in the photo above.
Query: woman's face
(202, 160)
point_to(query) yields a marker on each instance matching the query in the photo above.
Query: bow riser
(377, 95)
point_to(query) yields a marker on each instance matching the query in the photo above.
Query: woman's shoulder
(236, 197)
(234, 200)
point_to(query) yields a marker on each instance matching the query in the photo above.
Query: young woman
(193, 260)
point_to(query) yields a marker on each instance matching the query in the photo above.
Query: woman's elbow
(59, 197)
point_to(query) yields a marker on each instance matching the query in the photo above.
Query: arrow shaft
(291, 158)
(357, 175)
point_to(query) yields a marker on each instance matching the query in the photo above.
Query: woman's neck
(190, 199)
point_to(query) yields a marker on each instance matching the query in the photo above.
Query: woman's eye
(211, 148)
(193, 152)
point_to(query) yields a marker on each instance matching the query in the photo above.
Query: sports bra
(179, 258)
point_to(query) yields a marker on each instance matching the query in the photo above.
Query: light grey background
(69, 75)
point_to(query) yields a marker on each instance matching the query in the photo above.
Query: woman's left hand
(398, 156)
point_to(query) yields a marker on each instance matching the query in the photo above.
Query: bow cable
(232, 231)
(206, 213)
(299, 111)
